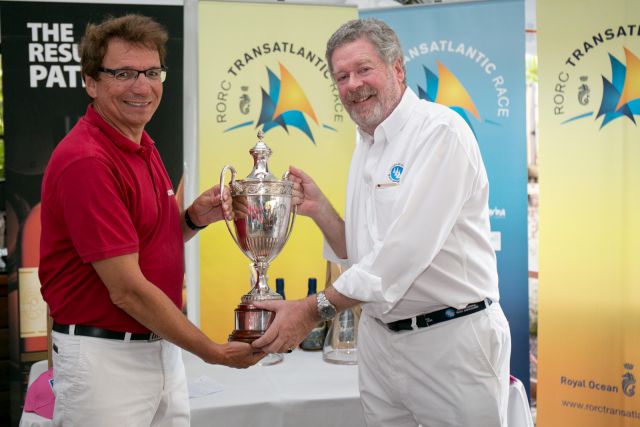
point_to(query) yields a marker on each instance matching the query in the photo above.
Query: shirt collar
(114, 135)
(395, 121)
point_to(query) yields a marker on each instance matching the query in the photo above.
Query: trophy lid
(261, 153)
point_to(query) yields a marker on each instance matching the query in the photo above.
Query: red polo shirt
(104, 196)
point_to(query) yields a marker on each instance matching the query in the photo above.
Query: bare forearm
(336, 298)
(313, 203)
(187, 233)
(295, 319)
(197, 221)
(207, 208)
(135, 295)
(340, 301)
(153, 309)
(332, 227)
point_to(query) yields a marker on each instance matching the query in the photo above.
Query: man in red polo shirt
(112, 262)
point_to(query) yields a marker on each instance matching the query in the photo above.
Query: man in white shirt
(434, 344)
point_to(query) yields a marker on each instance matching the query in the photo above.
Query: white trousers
(105, 382)
(452, 374)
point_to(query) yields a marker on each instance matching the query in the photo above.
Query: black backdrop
(37, 115)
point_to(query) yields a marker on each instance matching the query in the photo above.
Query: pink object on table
(40, 398)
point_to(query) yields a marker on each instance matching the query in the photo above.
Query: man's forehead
(119, 49)
(361, 42)
(359, 52)
(121, 45)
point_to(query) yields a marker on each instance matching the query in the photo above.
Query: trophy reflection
(263, 220)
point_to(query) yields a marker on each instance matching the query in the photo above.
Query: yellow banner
(262, 66)
(589, 295)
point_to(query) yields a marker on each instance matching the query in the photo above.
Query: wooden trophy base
(250, 323)
(245, 336)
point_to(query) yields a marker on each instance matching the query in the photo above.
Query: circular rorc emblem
(396, 172)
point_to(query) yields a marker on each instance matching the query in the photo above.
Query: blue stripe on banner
(241, 125)
(581, 116)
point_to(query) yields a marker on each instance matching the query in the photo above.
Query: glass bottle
(280, 287)
(315, 339)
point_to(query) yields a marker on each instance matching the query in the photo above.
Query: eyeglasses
(129, 74)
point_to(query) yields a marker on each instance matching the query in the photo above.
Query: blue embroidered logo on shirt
(396, 172)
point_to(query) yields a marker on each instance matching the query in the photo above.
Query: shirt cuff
(357, 284)
(330, 255)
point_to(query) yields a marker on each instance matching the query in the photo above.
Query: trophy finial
(260, 153)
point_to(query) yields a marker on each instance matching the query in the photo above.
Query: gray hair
(381, 36)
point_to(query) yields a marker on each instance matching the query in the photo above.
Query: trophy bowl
(262, 221)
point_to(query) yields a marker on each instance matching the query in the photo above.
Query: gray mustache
(361, 94)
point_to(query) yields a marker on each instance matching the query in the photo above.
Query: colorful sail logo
(447, 90)
(284, 105)
(621, 94)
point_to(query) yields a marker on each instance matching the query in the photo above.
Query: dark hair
(135, 29)
(383, 38)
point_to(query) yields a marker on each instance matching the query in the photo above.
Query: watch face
(328, 311)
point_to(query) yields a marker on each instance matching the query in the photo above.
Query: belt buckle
(154, 337)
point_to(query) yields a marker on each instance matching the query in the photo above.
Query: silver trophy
(263, 220)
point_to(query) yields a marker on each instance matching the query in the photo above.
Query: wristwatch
(326, 310)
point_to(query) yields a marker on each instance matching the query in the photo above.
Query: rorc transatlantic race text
(279, 47)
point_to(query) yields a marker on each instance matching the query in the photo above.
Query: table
(303, 390)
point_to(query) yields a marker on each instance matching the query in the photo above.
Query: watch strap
(326, 310)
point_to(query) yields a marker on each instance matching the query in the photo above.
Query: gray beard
(369, 120)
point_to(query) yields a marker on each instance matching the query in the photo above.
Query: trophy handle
(233, 179)
(295, 211)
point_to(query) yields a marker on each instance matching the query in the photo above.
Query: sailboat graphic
(447, 90)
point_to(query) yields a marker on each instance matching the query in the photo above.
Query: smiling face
(369, 88)
(127, 105)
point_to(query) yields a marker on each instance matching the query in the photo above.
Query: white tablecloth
(303, 390)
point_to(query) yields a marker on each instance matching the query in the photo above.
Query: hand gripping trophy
(263, 220)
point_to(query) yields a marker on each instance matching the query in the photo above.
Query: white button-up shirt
(417, 217)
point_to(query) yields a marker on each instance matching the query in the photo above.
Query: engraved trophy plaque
(263, 220)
